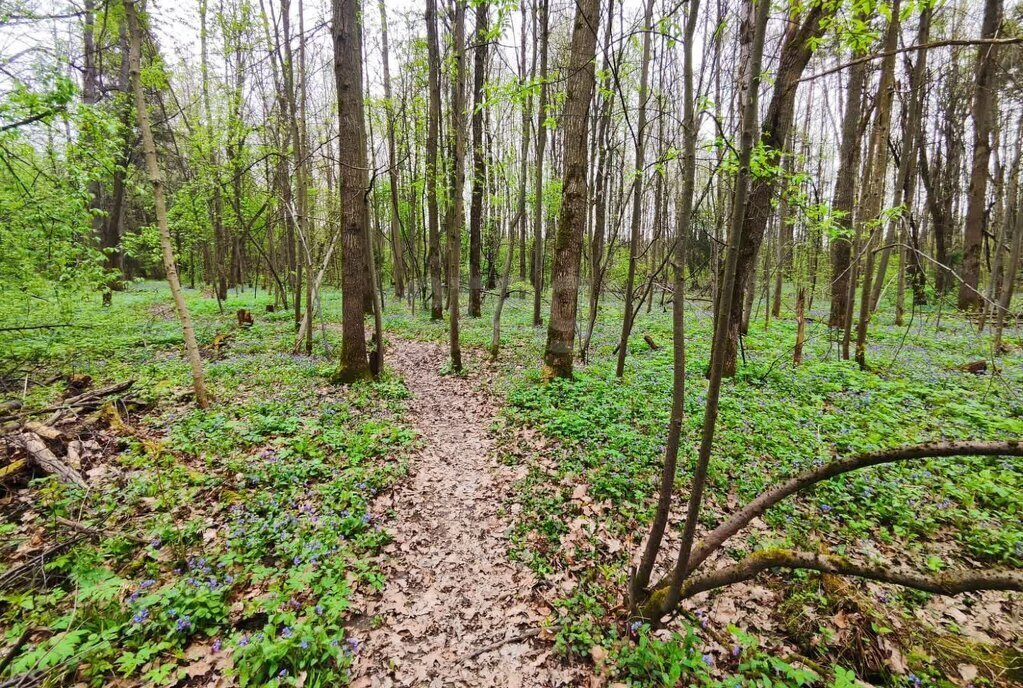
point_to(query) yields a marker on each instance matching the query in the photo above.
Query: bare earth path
(451, 589)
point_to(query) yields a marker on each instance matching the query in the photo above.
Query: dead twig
(531, 633)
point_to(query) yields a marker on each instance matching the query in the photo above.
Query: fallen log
(43, 430)
(47, 461)
(650, 342)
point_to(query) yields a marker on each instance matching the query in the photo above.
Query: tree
(640, 577)
(456, 218)
(354, 186)
(397, 254)
(637, 190)
(568, 242)
(432, 135)
(541, 148)
(135, 33)
(797, 47)
(479, 160)
(983, 115)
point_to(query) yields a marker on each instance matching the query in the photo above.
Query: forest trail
(451, 590)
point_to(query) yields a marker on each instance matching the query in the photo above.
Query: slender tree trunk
(748, 131)
(637, 190)
(983, 115)
(397, 254)
(135, 32)
(797, 47)
(568, 243)
(541, 148)
(873, 196)
(432, 170)
(456, 219)
(479, 161)
(640, 578)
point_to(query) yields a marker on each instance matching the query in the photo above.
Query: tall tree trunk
(568, 243)
(640, 578)
(797, 47)
(904, 186)
(397, 254)
(354, 185)
(874, 189)
(432, 136)
(479, 161)
(637, 189)
(456, 219)
(983, 115)
(135, 32)
(748, 131)
(541, 148)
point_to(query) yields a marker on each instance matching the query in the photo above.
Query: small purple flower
(287, 632)
(282, 673)
(708, 659)
(148, 583)
(304, 644)
(635, 626)
(156, 542)
(183, 624)
(825, 508)
(243, 641)
(736, 650)
(319, 609)
(216, 645)
(296, 561)
(354, 644)
(140, 616)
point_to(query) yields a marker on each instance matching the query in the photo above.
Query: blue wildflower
(140, 616)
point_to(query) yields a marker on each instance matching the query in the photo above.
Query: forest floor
(304, 534)
(456, 611)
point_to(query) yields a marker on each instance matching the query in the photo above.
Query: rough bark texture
(479, 161)
(432, 135)
(354, 185)
(845, 194)
(983, 115)
(558, 355)
(456, 219)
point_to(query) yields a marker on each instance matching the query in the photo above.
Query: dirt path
(451, 590)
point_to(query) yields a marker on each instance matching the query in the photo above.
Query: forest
(523, 343)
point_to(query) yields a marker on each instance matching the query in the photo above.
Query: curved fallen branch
(929, 450)
(660, 601)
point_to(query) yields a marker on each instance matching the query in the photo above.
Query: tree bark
(558, 356)
(135, 32)
(983, 115)
(354, 187)
(432, 136)
(479, 161)
(797, 47)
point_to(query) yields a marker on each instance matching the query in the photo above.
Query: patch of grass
(257, 511)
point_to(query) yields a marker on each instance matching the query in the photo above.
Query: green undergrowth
(236, 537)
(776, 419)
